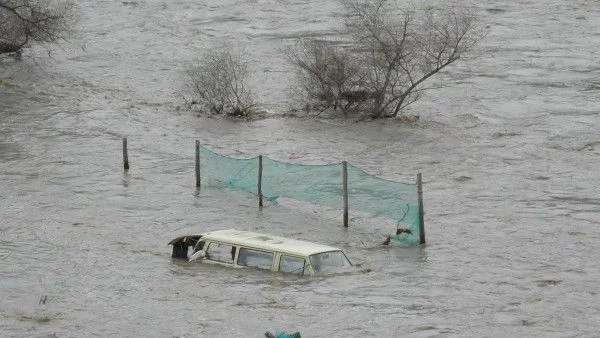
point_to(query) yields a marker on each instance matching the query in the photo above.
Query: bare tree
(26, 21)
(397, 50)
(406, 47)
(219, 82)
(327, 74)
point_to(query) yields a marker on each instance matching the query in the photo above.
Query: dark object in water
(403, 231)
(282, 335)
(181, 245)
(399, 231)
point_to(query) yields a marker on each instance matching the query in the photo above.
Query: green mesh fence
(319, 184)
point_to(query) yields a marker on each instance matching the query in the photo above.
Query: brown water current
(509, 150)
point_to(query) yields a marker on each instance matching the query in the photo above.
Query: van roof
(268, 242)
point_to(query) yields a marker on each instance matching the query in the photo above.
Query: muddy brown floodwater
(509, 150)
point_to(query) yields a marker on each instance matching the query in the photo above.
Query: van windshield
(330, 262)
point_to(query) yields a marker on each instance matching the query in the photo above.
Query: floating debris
(548, 282)
(282, 335)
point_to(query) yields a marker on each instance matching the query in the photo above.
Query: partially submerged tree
(25, 21)
(393, 50)
(218, 82)
(327, 75)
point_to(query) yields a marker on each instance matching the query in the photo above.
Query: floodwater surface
(509, 150)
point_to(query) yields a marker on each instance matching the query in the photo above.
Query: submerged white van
(236, 248)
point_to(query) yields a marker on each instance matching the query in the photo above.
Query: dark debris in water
(591, 146)
(463, 178)
(496, 10)
(547, 282)
(37, 318)
(526, 322)
(506, 134)
(282, 335)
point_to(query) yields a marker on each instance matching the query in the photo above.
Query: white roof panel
(268, 242)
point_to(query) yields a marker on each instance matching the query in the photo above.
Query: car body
(235, 248)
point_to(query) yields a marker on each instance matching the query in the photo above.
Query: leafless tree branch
(218, 82)
(26, 21)
(397, 50)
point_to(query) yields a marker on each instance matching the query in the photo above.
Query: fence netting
(318, 184)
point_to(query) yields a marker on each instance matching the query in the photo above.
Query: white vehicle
(236, 248)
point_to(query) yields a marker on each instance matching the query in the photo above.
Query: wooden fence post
(421, 211)
(197, 164)
(260, 169)
(125, 156)
(345, 191)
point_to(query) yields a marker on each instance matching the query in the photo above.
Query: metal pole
(345, 191)
(197, 163)
(125, 157)
(421, 211)
(260, 169)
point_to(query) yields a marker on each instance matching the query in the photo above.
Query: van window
(220, 252)
(255, 258)
(331, 261)
(293, 265)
